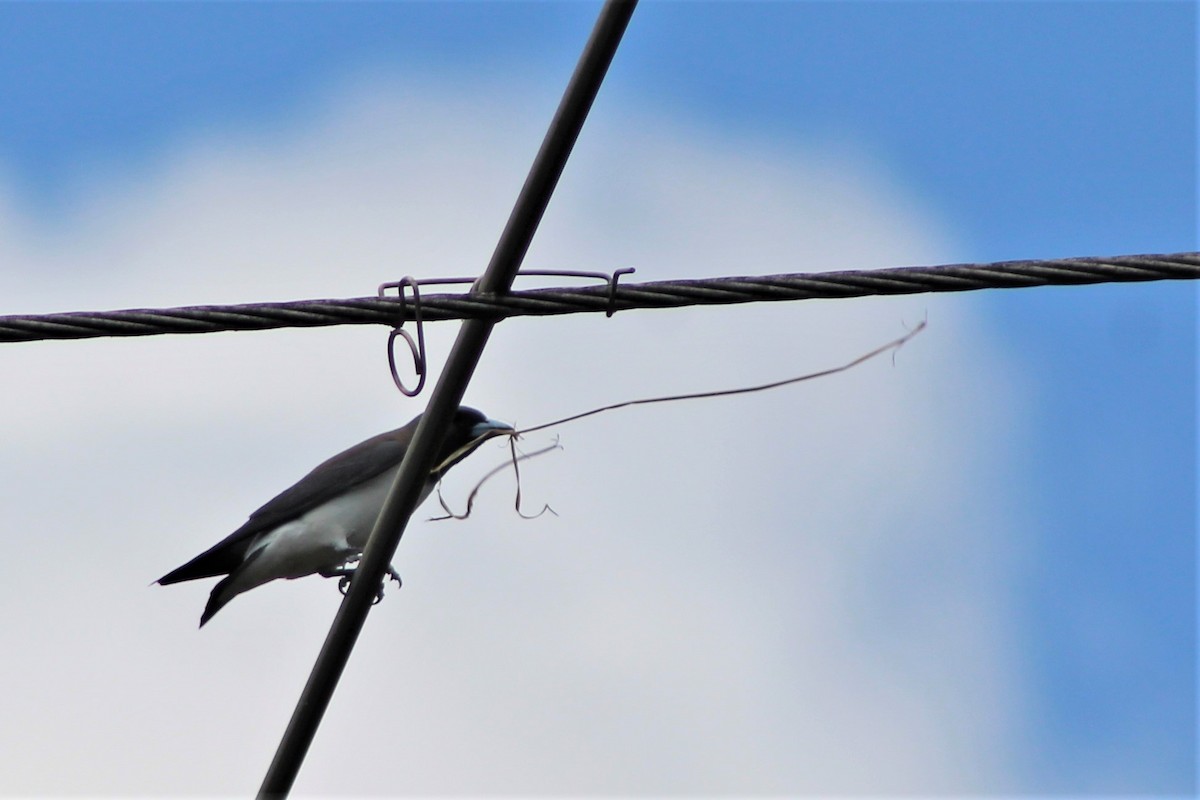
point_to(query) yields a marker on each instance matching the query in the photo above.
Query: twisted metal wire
(628, 296)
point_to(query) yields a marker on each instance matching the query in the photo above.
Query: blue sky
(1094, 100)
(995, 130)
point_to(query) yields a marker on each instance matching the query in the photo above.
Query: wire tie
(612, 288)
(611, 280)
(416, 348)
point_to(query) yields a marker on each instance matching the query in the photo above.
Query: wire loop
(417, 348)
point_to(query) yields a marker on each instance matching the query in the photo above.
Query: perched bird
(322, 524)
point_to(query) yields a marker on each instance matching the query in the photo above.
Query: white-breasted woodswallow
(322, 524)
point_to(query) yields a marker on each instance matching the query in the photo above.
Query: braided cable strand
(628, 296)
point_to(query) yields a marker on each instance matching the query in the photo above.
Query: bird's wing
(329, 479)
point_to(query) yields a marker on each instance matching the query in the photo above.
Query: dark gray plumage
(323, 522)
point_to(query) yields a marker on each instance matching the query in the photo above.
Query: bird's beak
(477, 435)
(489, 428)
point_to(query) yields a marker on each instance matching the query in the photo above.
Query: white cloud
(796, 591)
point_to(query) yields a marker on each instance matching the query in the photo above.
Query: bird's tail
(221, 594)
(219, 560)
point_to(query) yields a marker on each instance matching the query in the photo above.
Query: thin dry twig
(893, 346)
(516, 459)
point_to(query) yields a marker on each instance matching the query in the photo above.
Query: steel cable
(627, 296)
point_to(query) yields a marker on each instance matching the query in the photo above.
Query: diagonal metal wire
(419, 459)
(627, 296)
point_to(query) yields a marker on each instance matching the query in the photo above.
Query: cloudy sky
(970, 570)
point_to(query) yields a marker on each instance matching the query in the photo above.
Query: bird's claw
(344, 584)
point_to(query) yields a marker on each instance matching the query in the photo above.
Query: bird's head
(468, 429)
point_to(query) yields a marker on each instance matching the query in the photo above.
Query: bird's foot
(347, 575)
